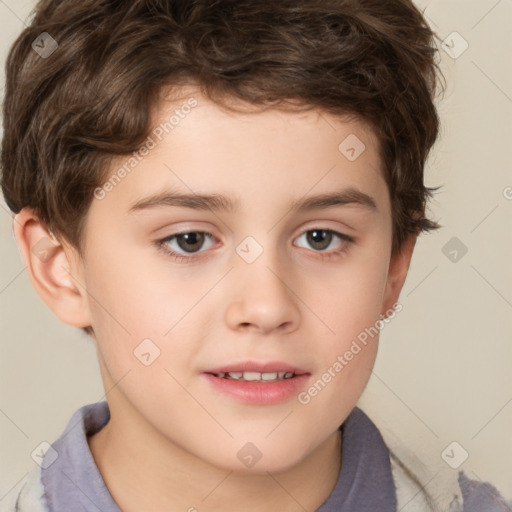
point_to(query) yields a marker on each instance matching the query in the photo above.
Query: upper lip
(254, 366)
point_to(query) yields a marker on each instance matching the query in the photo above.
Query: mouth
(255, 376)
(251, 371)
(256, 383)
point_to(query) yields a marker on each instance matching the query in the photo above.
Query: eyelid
(328, 225)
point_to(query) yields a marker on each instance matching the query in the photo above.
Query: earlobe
(398, 267)
(53, 269)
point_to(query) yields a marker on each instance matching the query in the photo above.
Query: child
(285, 142)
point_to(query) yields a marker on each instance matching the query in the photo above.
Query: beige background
(444, 368)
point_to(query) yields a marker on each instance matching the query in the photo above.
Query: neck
(173, 479)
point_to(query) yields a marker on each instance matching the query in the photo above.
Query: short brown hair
(66, 115)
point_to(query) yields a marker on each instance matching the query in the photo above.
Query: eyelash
(180, 258)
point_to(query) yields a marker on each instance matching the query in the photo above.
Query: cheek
(139, 308)
(350, 308)
(353, 296)
(124, 303)
(128, 294)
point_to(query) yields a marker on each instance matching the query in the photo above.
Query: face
(256, 274)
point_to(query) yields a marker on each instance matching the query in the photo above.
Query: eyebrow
(221, 203)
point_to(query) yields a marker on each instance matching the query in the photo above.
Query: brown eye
(321, 239)
(190, 242)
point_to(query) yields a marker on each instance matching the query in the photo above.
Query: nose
(263, 300)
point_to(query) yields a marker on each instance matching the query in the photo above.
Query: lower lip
(258, 392)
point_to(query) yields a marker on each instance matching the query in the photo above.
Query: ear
(398, 267)
(55, 270)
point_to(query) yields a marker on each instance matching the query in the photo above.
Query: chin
(249, 460)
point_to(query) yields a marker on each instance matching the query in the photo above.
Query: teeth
(256, 376)
(252, 376)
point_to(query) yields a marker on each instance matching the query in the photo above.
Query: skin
(172, 440)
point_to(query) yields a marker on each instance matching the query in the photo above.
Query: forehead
(248, 156)
(298, 124)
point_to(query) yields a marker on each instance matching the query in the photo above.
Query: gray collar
(73, 481)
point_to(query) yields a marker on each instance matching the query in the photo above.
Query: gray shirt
(365, 484)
